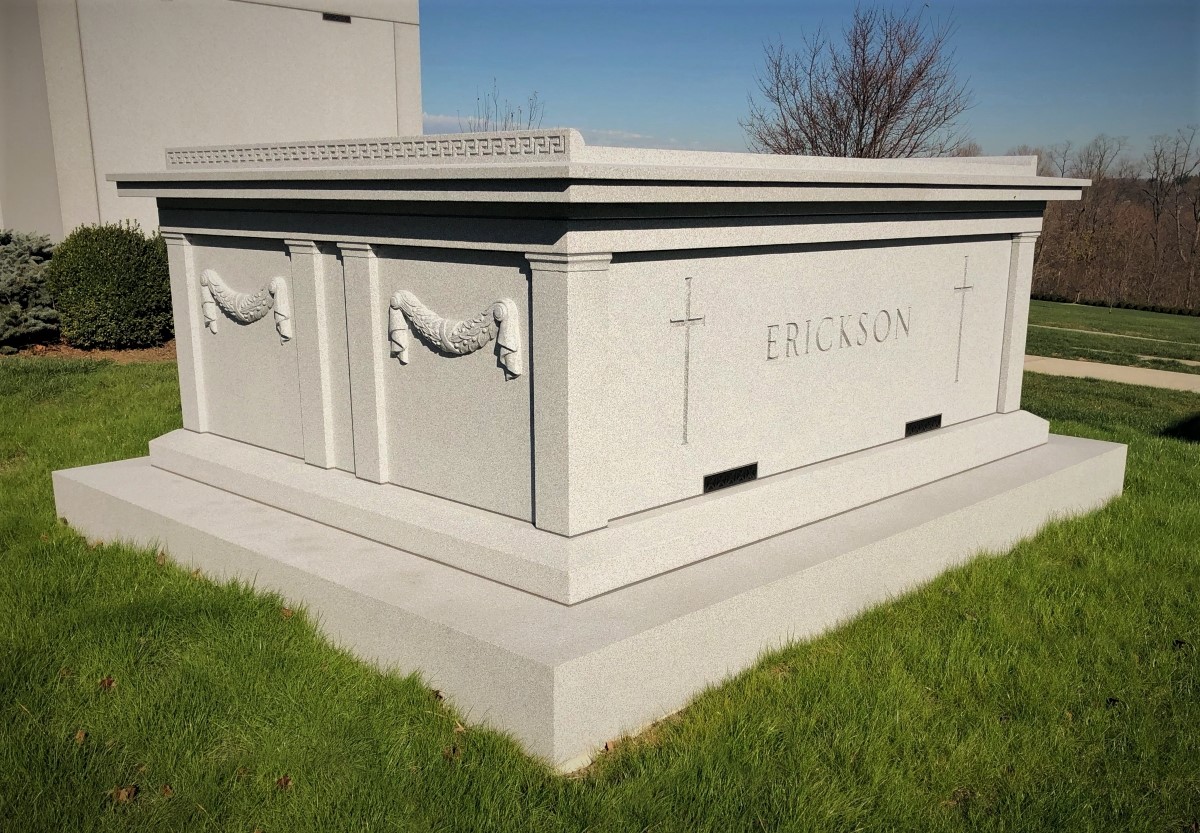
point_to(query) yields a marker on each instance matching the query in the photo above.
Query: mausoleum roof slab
(557, 166)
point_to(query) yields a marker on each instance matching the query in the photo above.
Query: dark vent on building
(730, 477)
(920, 426)
(335, 18)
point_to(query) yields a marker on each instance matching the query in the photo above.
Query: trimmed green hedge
(26, 314)
(111, 287)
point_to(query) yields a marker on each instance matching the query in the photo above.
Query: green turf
(1185, 328)
(1056, 687)
(1114, 336)
(1111, 349)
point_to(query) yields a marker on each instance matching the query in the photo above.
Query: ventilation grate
(730, 477)
(920, 426)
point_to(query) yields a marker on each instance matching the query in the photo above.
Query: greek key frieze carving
(245, 307)
(499, 322)
(522, 145)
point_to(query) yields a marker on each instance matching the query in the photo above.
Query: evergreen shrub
(26, 314)
(111, 288)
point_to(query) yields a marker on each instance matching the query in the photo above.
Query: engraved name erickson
(836, 332)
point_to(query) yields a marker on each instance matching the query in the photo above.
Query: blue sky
(669, 73)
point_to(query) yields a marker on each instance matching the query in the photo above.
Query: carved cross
(962, 314)
(687, 322)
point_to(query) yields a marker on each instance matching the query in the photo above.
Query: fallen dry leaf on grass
(167, 791)
(124, 795)
(284, 783)
(287, 612)
(80, 737)
(108, 683)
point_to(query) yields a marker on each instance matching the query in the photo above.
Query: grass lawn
(1056, 687)
(1127, 322)
(1110, 349)
(1114, 336)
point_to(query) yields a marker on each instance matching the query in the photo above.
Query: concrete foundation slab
(565, 678)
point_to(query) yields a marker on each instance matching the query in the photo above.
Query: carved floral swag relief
(246, 307)
(499, 321)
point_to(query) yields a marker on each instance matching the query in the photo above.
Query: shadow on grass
(1187, 429)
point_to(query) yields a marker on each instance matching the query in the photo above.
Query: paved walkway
(1114, 373)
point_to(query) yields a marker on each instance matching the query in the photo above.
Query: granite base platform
(563, 679)
(629, 549)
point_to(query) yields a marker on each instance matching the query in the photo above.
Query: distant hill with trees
(1134, 238)
(888, 87)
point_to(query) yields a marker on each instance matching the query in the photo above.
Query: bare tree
(1045, 166)
(1100, 158)
(491, 113)
(888, 89)
(969, 147)
(1182, 172)
(1134, 237)
(1059, 156)
(1173, 191)
(1164, 163)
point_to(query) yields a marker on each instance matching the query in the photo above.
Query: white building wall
(126, 79)
(28, 184)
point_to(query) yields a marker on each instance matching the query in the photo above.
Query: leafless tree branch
(1134, 237)
(888, 88)
(492, 113)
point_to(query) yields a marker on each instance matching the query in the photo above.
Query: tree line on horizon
(1134, 237)
(888, 88)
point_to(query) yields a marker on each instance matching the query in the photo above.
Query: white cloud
(629, 139)
(440, 123)
(616, 136)
(624, 139)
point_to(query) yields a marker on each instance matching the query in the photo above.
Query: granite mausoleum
(579, 430)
